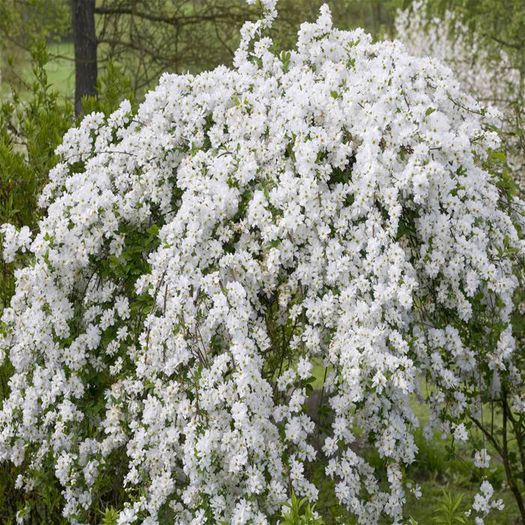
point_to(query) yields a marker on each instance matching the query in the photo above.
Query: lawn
(61, 68)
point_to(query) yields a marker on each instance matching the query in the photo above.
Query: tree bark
(85, 38)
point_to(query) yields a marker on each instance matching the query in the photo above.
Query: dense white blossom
(321, 207)
(14, 241)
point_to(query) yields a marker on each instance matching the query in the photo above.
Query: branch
(488, 435)
(171, 20)
(504, 43)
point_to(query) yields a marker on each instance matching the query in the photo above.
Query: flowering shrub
(323, 207)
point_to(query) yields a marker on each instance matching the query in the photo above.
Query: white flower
(483, 502)
(304, 368)
(460, 432)
(481, 458)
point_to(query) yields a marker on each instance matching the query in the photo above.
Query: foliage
(110, 517)
(113, 86)
(501, 22)
(448, 510)
(300, 512)
(25, 24)
(29, 22)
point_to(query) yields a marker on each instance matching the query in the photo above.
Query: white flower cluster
(321, 207)
(14, 241)
(492, 77)
(484, 502)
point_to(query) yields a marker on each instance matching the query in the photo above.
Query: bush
(199, 256)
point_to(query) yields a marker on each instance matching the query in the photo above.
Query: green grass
(61, 68)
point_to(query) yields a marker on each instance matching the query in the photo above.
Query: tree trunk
(83, 12)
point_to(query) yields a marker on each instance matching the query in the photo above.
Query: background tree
(85, 39)
(180, 36)
(149, 38)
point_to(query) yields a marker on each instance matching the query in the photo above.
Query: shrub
(199, 256)
(300, 512)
